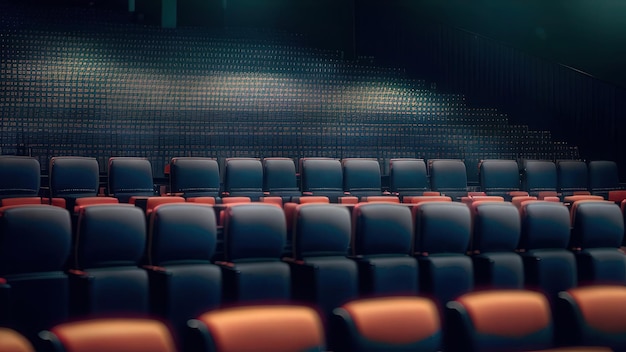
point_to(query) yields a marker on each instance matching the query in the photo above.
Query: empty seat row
(587, 319)
(388, 251)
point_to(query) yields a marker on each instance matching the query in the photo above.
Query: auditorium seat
(499, 178)
(280, 179)
(548, 264)
(12, 341)
(128, 177)
(110, 334)
(254, 239)
(322, 177)
(322, 274)
(496, 233)
(87, 201)
(181, 243)
(448, 177)
(498, 320)
(408, 177)
(243, 177)
(539, 178)
(20, 176)
(193, 177)
(392, 324)
(35, 244)
(415, 200)
(72, 177)
(603, 177)
(442, 235)
(572, 177)
(380, 199)
(592, 316)
(276, 328)
(361, 177)
(381, 246)
(597, 234)
(153, 202)
(105, 278)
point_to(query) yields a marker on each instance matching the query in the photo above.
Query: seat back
(538, 176)
(449, 177)
(572, 177)
(20, 176)
(387, 324)
(115, 334)
(258, 328)
(381, 242)
(598, 230)
(408, 177)
(74, 177)
(361, 177)
(194, 177)
(279, 178)
(182, 240)
(12, 341)
(442, 235)
(496, 233)
(603, 177)
(592, 316)
(110, 243)
(254, 238)
(548, 264)
(33, 255)
(243, 177)
(499, 320)
(322, 177)
(325, 276)
(499, 177)
(129, 177)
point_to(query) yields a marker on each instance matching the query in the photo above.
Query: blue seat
(572, 177)
(603, 177)
(35, 244)
(597, 233)
(254, 239)
(195, 177)
(128, 177)
(361, 177)
(20, 176)
(496, 233)
(448, 177)
(539, 177)
(322, 177)
(408, 177)
(322, 274)
(183, 281)
(499, 177)
(243, 177)
(105, 276)
(548, 264)
(442, 235)
(381, 246)
(393, 324)
(280, 179)
(74, 177)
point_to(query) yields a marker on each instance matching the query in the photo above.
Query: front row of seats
(586, 319)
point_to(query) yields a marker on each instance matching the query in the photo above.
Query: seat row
(75, 177)
(587, 319)
(119, 264)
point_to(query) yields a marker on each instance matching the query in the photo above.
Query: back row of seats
(118, 264)
(76, 177)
